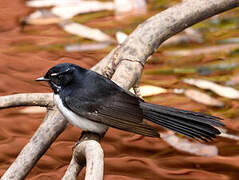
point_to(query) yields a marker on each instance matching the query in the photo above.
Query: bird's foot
(87, 135)
(108, 72)
(137, 90)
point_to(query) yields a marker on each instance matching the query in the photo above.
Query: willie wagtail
(93, 103)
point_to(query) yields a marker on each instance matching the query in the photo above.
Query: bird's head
(59, 76)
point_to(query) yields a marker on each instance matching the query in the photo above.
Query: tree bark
(27, 99)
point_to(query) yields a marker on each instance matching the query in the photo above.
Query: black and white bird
(93, 103)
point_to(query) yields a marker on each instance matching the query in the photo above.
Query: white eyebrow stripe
(54, 74)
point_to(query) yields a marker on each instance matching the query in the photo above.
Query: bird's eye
(57, 76)
(60, 77)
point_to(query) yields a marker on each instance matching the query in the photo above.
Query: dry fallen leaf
(86, 32)
(86, 47)
(121, 37)
(202, 98)
(41, 17)
(66, 9)
(148, 90)
(229, 136)
(187, 36)
(69, 11)
(226, 48)
(183, 144)
(48, 3)
(223, 91)
(130, 6)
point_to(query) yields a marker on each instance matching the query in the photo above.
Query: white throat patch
(76, 120)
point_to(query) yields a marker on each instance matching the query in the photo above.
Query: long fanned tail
(192, 124)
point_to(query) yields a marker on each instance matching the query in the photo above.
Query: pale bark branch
(88, 151)
(142, 43)
(27, 99)
(73, 169)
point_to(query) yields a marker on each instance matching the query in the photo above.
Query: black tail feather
(191, 124)
(180, 126)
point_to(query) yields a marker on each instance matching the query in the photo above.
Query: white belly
(78, 121)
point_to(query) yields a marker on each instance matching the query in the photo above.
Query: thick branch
(27, 99)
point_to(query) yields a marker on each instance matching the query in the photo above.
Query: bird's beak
(42, 79)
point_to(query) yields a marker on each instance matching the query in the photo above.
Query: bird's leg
(50, 108)
(108, 72)
(86, 135)
(137, 90)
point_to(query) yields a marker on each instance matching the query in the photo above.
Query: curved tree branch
(88, 151)
(27, 99)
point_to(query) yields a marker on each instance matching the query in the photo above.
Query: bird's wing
(114, 108)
